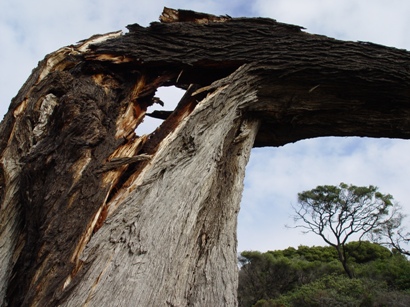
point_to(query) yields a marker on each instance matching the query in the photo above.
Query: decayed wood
(305, 75)
(93, 215)
(180, 236)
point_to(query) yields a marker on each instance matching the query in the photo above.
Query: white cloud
(275, 176)
(384, 22)
(306, 164)
(31, 29)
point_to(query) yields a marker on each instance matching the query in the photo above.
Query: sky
(31, 29)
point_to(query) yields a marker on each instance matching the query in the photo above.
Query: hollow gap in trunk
(167, 99)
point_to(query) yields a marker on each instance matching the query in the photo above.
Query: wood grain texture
(174, 243)
(93, 215)
(307, 77)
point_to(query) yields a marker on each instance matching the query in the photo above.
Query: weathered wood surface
(92, 214)
(306, 77)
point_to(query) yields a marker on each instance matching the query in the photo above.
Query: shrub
(335, 290)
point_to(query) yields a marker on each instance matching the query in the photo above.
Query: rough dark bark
(94, 215)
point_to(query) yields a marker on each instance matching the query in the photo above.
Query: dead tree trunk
(93, 215)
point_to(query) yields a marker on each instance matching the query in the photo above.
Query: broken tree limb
(183, 231)
(92, 214)
(306, 75)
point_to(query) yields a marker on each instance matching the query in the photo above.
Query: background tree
(264, 276)
(392, 233)
(336, 213)
(313, 276)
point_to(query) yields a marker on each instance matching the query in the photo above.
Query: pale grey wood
(172, 240)
(93, 215)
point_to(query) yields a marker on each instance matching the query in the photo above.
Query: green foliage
(328, 291)
(311, 276)
(264, 276)
(314, 276)
(394, 271)
(391, 233)
(340, 291)
(344, 198)
(357, 251)
(315, 253)
(365, 251)
(338, 212)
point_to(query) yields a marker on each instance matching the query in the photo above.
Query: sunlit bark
(92, 214)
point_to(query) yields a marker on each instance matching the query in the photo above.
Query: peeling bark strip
(93, 215)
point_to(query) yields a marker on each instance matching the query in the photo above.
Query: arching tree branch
(83, 218)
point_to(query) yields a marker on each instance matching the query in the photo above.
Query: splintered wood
(93, 215)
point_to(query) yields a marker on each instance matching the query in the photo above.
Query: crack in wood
(88, 208)
(121, 161)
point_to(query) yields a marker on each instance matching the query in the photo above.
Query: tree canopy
(393, 233)
(313, 276)
(337, 213)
